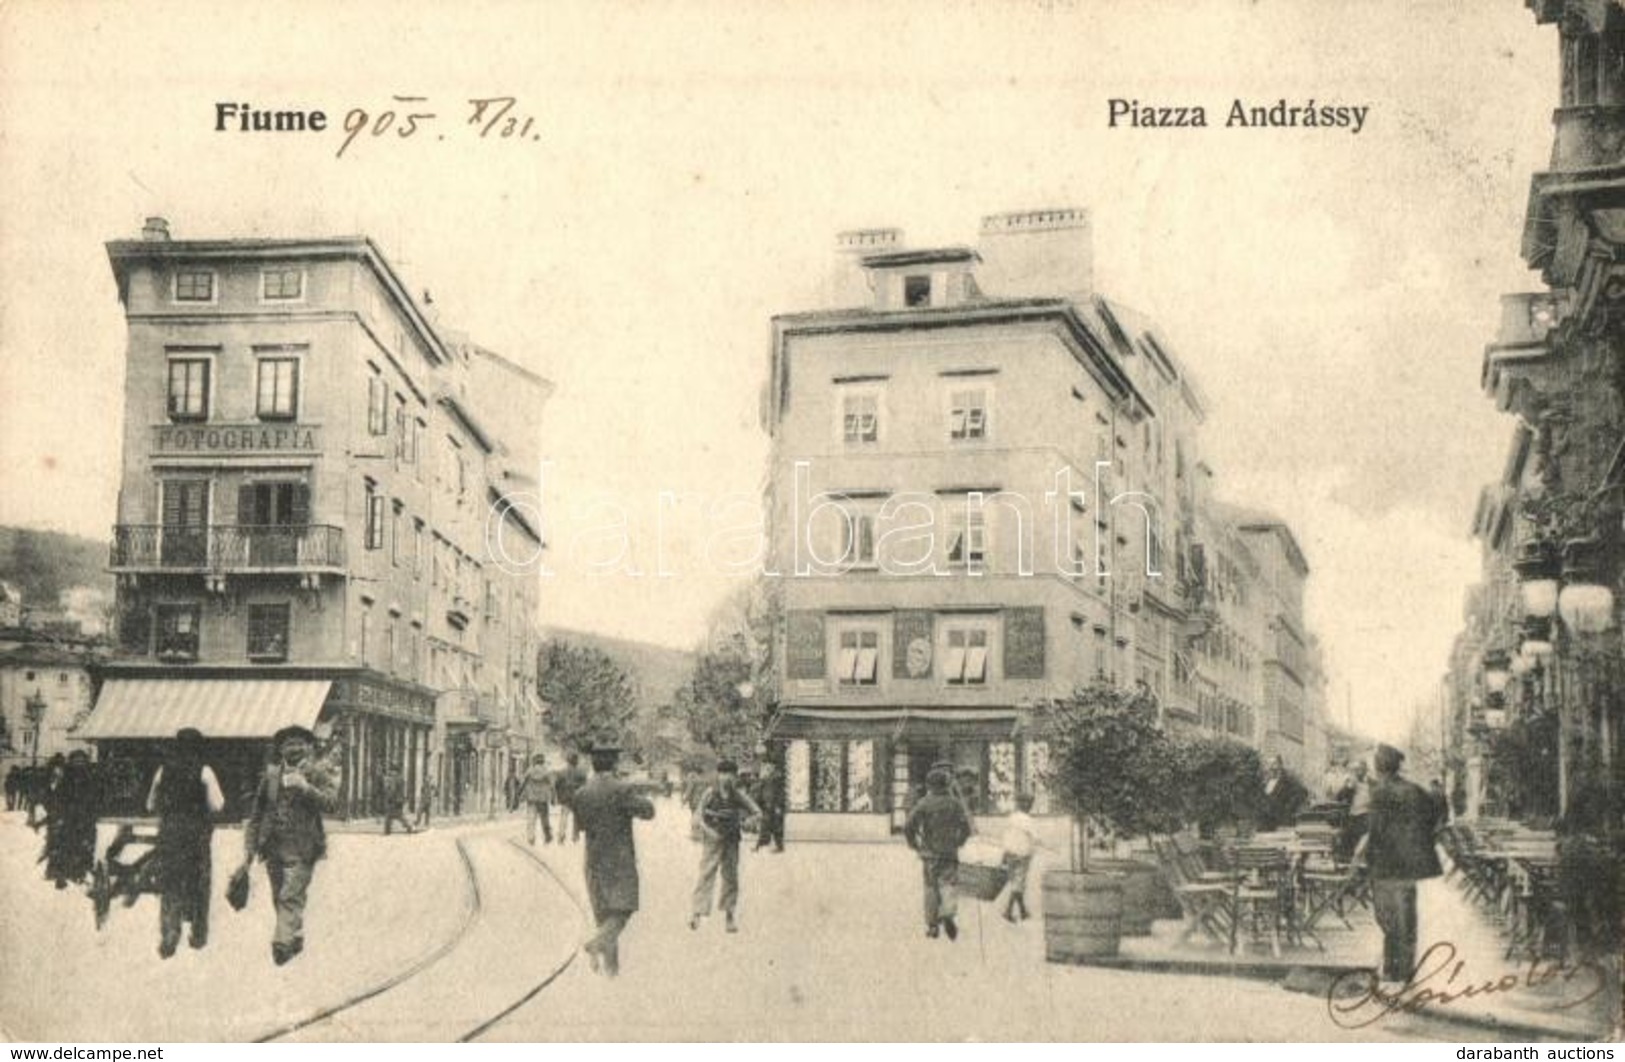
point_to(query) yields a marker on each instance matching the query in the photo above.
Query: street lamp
(1538, 568)
(1585, 603)
(1497, 670)
(34, 706)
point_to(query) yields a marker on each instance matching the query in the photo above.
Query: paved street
(830, 947)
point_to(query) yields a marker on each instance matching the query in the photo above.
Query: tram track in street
(420, 971)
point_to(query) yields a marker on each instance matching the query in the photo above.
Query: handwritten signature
(1357, 998)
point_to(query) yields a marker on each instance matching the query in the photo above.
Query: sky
(686, 169)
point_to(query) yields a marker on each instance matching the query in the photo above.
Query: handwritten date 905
(487, 118)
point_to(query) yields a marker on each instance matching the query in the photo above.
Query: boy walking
(722, 814)
(1020, 837)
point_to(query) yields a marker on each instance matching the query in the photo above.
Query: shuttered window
(804, 651)
(1024, 643)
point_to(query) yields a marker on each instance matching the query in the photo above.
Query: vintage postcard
(1061, 520)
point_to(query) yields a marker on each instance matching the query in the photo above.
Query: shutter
(804, 653)
(171, 504)
(300, 509)
(908, 628)
(245, 505)
(1024, 643)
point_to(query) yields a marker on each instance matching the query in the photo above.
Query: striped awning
(220, 708)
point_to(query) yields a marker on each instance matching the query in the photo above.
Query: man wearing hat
(185, 795)
(537, 795)
(1398, 848)
(722, 814)
(604, 808)
(936, 828)
(285, 830)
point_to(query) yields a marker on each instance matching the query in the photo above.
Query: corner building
(309, 491)
(985, 491)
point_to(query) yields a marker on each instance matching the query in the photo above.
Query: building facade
(986, 489)
(45, 692)
(309, 496)
(1535, 680)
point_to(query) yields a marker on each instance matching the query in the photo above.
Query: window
(389, 647)
(377, 405)
(917, 290)
(397, 517)
(965, 662)
(177, 632)
(278, 388)
(375, 517)
(184, 511)
(194, 285)
(188, 388)
(858, 663)
(282, 284)
(967, 414)
(860, 417)
(967, 538)
(417, 547)
(366, 633)
(403, 436)
(418, 428)
(268, 632)
(858, 540)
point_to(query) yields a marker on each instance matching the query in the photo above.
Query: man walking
(185, 795)
(537, 794)
(426, 800)
(1399, 850)
(604, 808)
(936, 829)
(770, 798)
(722, 813)
(565, 785)
(285, 830)
(395, 801)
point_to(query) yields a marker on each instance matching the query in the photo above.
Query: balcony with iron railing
(244, 549)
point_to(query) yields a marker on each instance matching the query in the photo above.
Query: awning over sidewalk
(832, 724)
(220, 708)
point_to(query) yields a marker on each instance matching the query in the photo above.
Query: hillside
(42, 564)
(658, 670)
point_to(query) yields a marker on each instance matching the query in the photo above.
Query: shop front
(854, 774)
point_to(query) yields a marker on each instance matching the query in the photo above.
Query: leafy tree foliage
(1109, 762)
(588, 696)
(1221, 781)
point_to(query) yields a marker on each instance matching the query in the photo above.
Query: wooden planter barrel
(1083, 916)
(1140, 882)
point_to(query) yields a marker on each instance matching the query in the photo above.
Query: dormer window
(917, 290)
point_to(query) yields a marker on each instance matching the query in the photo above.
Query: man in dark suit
(1283, 796)
(604, 809)
(1398, 848)
(937, 827)
(285, 830)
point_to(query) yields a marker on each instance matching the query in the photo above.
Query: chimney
(848, 284)
(1037, 253)
(156, 229)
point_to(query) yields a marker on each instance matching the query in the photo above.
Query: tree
(1109, 763)
(589, 697)
(729, 700)
(1221, 781)
(720, 706)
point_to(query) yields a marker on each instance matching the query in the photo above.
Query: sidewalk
(1530, 1003)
